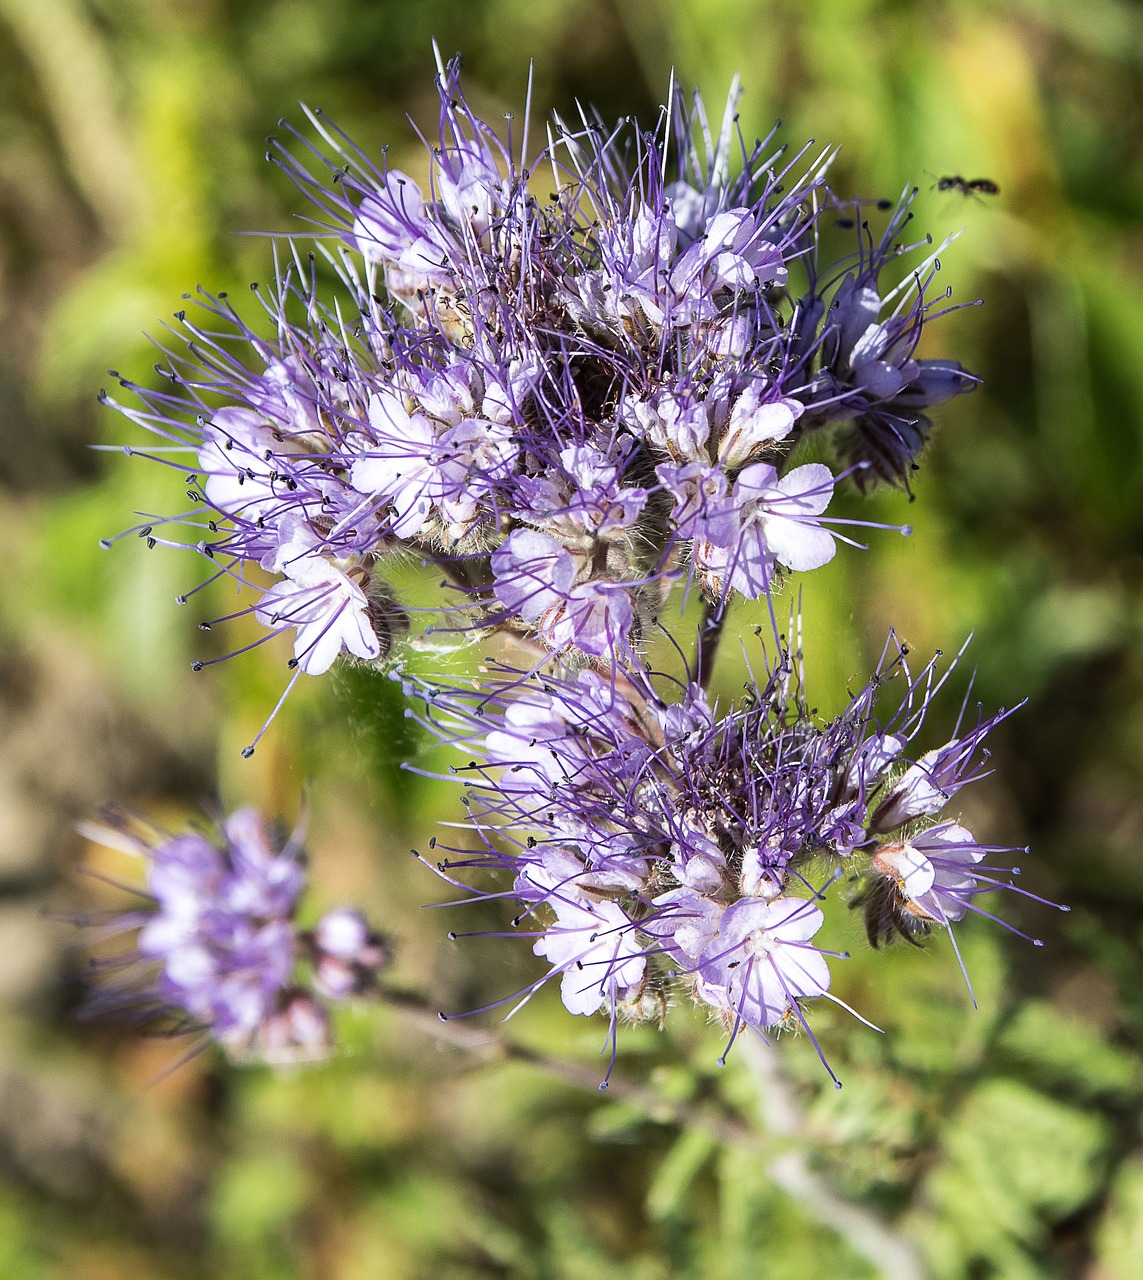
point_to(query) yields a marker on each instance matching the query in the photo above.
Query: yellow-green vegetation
(1005, 1140)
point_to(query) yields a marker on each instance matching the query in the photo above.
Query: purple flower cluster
(656, 842)
(218, 949)
(566, 405)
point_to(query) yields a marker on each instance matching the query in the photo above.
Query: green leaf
(1015, 1161)
(1119, 1246)
(1057, 1050)
(256, 1198)
(677, 1171)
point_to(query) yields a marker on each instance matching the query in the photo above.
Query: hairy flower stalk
(217, 947)
(655, 842)
(566, 404)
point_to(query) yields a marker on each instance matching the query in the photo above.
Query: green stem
(491, 1047)
(709, 635)
(782, 1144)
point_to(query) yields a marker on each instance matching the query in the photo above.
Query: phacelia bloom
(867, 373)
(565, 407)
(218, 949)
(660, 843)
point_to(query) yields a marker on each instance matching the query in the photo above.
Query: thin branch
(781, 1116)
(77, 75)
(490, 1047)
(782, 1122)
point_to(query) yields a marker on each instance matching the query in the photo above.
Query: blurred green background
(1003, 1141)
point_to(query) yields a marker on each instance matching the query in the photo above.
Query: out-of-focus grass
(1005, 1138)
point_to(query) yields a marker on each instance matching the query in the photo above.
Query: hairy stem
(491, 1047)
(781, 1143)
(709, 634)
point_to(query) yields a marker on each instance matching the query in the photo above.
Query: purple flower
(869, 374)
(399, 463)
(237, 458)
(777, 523)
(755, 421)
(761, 963)
(585, 499)
(733, 253)
(720, 423)
(218, 949)
(927, 786)
(591, 944)
(674, 843)
(933, 872)
(542, 582)
(329, 610)
(222, 932)
(346, 954)
(562, 408)
(703, 509)
(393, 228)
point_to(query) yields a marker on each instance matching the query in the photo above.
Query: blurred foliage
(1005, 1140)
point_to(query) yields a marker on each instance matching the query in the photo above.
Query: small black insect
(968, 187)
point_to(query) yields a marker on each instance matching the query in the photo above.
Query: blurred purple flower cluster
(218, 949)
